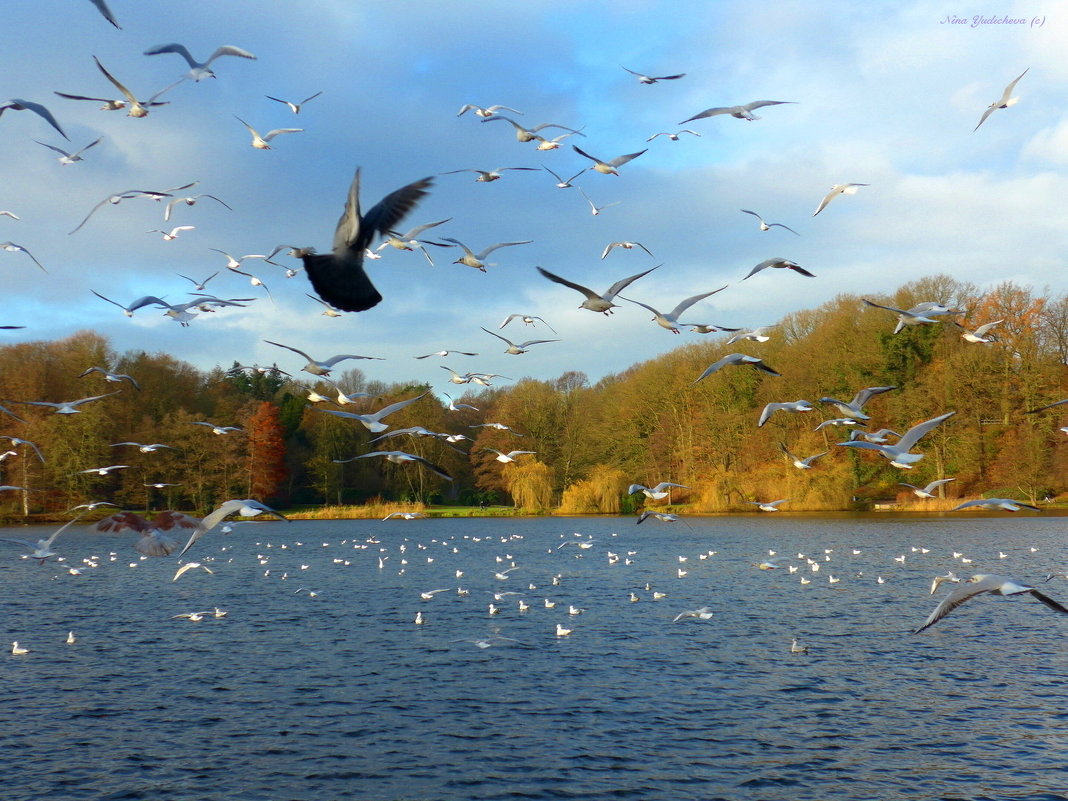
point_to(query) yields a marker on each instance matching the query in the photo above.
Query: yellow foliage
(600, 493)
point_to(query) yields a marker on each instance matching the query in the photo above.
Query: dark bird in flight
(338, 277)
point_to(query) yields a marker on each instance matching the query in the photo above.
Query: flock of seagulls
(342, 284)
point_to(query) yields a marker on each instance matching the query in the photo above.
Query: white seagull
(780, 263)
(400, 457)
(835, 191)
(67, 407)
(472, 259)
(595, 302)
(247, 507)
(995, 504)
(744, 112)
(607, 167)
(737, 359)
(800, 464)
(670, 320)
(69, 158)
(11, 247)
(515, 349)
(198, 71)
(373, 421)
(294, 107)
(928, 491)
(263, 142)
(320, 367)
(790, 406)
(978, 584)
(766, 226)
(1004, 101)
(898, 454)
(855, 407)
(18, 104)
(659, 492)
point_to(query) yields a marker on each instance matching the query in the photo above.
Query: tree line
(648, 424)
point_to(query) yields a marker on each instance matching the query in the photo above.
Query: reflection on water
(340, 695)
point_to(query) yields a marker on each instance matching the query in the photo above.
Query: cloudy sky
(888, 96)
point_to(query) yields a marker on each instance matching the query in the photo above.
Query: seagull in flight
(835, 191)
(69, 158)
(42, 548)
(17, 104)
(913, 316)
(339, 277)
(626, 246)
(791, 406)
(110, 377)
(649, 79)
(744, 112)
(407, 241)
(735, 358)
(528, 134)
(854, 408)
(659, 492)
(928, 491)
(995, 504)
(768, 506)
(595, 302)
(488, 176)
(670, 320)
(102, 7)
(607, 167)
(11, 247)
(486, 112)
(67, 407)
(506, 457)
(979, 335)
(565, 183)
(294, 107)
(400, 457)
(527, 319)
(472, 259)
(216, 429)
(137, 107)
(444, 353)
(800, 464)
(898, 453)
(320, 367)
(702, 613)
(373, 421)
(1004, 101)
(766, 226)
(754, 335)
(673, 136)
(248, 507)
(198, 71)
(979, 584)
(780, 263)
(263, 142)
(522, 347)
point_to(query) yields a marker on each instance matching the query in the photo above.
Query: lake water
(340, 695)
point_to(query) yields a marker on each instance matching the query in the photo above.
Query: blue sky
(887, 96)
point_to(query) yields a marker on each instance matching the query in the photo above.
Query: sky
(888, 96)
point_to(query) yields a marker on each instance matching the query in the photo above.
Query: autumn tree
(267, 451)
